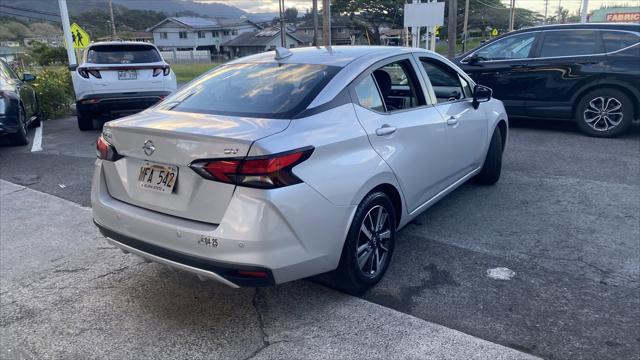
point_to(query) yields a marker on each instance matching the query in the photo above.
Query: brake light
(106, 151)
(264, 172)
(85, 73)
(163, 70)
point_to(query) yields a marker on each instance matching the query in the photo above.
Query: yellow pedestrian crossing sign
(80, 37)
(494, 32)
(437, 30)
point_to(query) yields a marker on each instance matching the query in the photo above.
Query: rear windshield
(123, 54)
(256, 90)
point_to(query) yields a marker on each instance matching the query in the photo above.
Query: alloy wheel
(603, 113)
(372, 250)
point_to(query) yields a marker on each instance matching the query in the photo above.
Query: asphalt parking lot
(565, 217)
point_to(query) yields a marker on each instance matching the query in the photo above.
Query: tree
(291, 15)
(46, 55)
(373, 13)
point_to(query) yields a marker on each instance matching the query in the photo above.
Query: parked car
(18, 105)
(583, 72)
(270, 169)
(119, 78)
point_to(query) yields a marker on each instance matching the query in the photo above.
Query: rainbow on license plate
(156, 177)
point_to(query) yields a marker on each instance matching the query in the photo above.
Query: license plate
(156, 177)
(127, 75)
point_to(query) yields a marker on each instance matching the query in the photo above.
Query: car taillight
(163, 70)
(85, 73)
(264, 172)
(106, 151)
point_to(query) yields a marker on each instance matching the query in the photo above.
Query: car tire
(604, 113)
(85, 122)
(20, 137)
(365, 258)
(492, 167)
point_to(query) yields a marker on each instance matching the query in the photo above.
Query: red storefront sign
(624, 17)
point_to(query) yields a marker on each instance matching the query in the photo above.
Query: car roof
(604, 26)
(332, 56)
(100, 43)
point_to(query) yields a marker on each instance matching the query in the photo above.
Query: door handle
(385, 130)
(452, 120)
(518, 66)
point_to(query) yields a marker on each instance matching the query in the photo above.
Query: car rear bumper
(118, 103)
(287, 235)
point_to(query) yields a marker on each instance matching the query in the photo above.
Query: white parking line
(37, 139)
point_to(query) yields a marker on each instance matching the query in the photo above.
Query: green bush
(55, 92)
(46, 55)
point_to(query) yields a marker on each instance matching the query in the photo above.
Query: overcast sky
(536, 5)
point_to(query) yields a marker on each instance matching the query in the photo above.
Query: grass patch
(442, 47)
(187, 72)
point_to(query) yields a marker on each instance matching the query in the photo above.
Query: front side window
(512, 47)
(368, 95)
(570, 43)
(399, 86)
(182, 34)
(445, 81)
(616, 40)
(122, 54)
(255, 89)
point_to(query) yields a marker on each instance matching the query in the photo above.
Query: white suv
(119, 78)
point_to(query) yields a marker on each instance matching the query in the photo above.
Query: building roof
(197, 23)
(258, 38)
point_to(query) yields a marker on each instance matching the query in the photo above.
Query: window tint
(445, 81)
(368, 95)
(512, 47)
(122, 54)
(569, 43)
(259, 90)
(616, 40)
(399, 86)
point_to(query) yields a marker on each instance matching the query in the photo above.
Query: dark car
(589, 73)
(18, 105)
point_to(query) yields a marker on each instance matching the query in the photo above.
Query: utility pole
(113, 23)
(283, 34)
(585, 11)
(314, 13)
(66, 28)
(326, 23)
(465, 35)
(546, 5)
(453, 23)
(512, 15)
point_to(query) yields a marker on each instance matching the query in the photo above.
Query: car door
(403, 127)
(565, 62)
(466, 126)
(504, 65)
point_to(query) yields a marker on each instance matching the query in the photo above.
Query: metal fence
(187, 57)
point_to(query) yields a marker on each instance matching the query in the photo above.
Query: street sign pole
(585, 11)
(66, 28)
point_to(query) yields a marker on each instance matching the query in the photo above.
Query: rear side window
(268, 90)
(616, 40)
(368, 95)
(122, 54)
(570, 43)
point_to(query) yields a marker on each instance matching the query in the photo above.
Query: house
(11, 53)
(193, 33)
(343, 31)
(259, 41)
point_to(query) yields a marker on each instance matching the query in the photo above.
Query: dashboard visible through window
(446, 82)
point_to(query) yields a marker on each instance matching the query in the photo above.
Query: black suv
(586, 72)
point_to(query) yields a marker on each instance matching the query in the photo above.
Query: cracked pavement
(565, 217)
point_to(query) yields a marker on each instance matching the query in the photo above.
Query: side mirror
(26, 77)
(73, 67)
(481, 94)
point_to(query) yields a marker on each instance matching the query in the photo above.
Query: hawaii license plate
(157, 177)
(127, 75)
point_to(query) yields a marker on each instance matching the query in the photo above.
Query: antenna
(282, 53)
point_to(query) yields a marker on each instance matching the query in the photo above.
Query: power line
(30, 10)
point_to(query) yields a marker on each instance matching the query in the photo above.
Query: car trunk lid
(178, 139)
